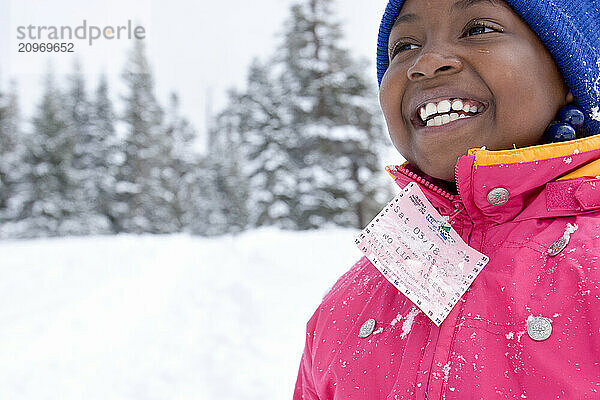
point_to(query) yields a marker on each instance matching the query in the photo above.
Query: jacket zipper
(426, 183)
(455, 199)
(458, 205)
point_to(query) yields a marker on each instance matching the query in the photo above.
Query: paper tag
(414, 247)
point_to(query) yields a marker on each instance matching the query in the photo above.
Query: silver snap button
(498, 196)
(367, 328)
(539, 328)
(557, 247)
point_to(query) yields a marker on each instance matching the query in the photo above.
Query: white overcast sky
(197, 49)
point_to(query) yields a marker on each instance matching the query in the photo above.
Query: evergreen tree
(308, 130)
(48, 204)
(107, 157)
(140, 183)
(11, 152)
(266, 141)
(220, 190)
(183, 165)
(336, 119)
(7, 145)
(89, 152)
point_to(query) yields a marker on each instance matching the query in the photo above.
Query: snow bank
(162, 317)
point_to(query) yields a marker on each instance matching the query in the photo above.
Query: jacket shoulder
(360, 277)
(347, 301)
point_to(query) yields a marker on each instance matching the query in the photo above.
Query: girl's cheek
(392, 87)
(385, 95)
(395, 73)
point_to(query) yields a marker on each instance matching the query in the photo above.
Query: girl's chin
(442, 169)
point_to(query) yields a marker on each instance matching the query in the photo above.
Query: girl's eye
(400, 47)
(479, 29)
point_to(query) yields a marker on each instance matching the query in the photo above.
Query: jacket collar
(550, 180)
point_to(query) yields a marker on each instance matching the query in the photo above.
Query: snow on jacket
(482, 350)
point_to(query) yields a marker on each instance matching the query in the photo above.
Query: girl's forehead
(433, 15)
(455, 6)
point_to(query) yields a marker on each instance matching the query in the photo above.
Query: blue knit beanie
(570, 30)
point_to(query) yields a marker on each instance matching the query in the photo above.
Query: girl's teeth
(447, 111)
(443, 107)
(439, 120)
(457, 105)
(430, 109)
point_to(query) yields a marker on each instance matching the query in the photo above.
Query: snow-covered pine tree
(306, 131)
(336, 120)
(6, 146)
(207, 218)
(261, 131)
(11, 152)
(108, 159)
(220, 190)
(183, 166)
(48, 206)
(89, 162)
(146, 163)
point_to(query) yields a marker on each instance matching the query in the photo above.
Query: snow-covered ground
(162, 317)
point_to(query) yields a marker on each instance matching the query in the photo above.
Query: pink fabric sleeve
(305, 386)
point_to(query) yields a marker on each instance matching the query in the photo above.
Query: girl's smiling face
(466, 74)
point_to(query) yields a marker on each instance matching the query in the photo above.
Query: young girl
(495, 106)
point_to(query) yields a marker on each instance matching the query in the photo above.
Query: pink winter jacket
(482, 350)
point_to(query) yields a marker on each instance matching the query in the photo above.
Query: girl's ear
(570, 97)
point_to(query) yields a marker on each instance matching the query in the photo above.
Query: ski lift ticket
(417, 250)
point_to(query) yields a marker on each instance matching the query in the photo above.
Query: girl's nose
(434, 63)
